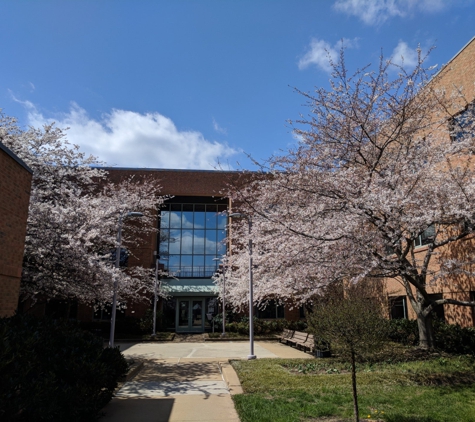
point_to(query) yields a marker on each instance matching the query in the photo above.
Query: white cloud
(218, 128)
(404, 55)
(375, 12)
(322, 54)
(130, 139)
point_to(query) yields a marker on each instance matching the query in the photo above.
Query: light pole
(223, 266)
(155, 299)
(154, 333)
(117, 265)
(251, 299)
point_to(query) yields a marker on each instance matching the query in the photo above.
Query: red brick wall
(458, 74)
(15, 185)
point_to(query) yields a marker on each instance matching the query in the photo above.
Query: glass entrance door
(190, 315)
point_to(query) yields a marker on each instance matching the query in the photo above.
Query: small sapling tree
(350, 318)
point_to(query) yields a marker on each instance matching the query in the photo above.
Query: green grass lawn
(430, 390)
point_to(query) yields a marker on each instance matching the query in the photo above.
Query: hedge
(52, 370)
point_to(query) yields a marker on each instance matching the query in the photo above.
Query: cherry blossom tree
(381, 163)
(73, 221)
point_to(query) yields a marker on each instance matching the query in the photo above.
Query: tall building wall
(15, 186)
(458, 75)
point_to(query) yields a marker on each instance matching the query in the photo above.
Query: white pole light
(251, 299)
(117, 265)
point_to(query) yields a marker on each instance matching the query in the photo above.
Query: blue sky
(199, 83)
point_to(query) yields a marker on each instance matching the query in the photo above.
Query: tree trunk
(426, 334)
(353, 384)
(424, 322)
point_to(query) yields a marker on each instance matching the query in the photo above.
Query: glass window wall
(192, 238)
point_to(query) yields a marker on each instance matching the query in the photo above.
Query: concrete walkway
(186, 381)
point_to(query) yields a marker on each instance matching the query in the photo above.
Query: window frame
(393, 304)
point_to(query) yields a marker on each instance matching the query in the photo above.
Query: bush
(145, 324)
(263, 327)
(54, 371)
(454, 338)
(404, 331)
(447, 337)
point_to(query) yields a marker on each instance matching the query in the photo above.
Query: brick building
(191, 241)
(15, 186)
(457, 74)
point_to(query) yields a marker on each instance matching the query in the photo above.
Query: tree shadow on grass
(400, 418)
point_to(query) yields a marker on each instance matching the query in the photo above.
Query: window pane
(222, 216)
(186, 266)
(187, 219)
(183, 313)
(211, 216)
(173, 263)
(175, 219)
(428, 235)
(269, 311)
(211, 245)
(211, 265)
(164, 236)
(197, 306)
(199, 242)
(198, 266)
(175, 236)
(222, 221)
(221, 242)
(199, 219)
(398, 308)
(187, 242)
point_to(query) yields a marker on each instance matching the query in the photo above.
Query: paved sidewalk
(186, 381)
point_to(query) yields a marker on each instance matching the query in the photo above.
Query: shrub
(54, 371)
(145, 324)
(404, 331)
(447, 337)
(454, 338)
(263, 327)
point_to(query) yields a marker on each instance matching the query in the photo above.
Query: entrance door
(190, 315)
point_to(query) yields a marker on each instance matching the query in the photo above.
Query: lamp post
(155, 298)
(154, 333)
(117, 265)
(223, 266)
(251, 299)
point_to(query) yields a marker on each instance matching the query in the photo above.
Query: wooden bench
(298, 339)
(286, 336)
(309, 343)
(304, 341)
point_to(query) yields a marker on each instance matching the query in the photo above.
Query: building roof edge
(453, 58)
(170, 170)
(9, 152)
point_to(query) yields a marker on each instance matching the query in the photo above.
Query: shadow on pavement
(138, 410)
(157, 371)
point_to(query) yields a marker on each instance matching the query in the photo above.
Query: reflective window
(461, 125)
(192, 238)
(426, 237)
(272, 311)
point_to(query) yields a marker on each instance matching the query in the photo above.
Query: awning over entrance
(190, 287)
